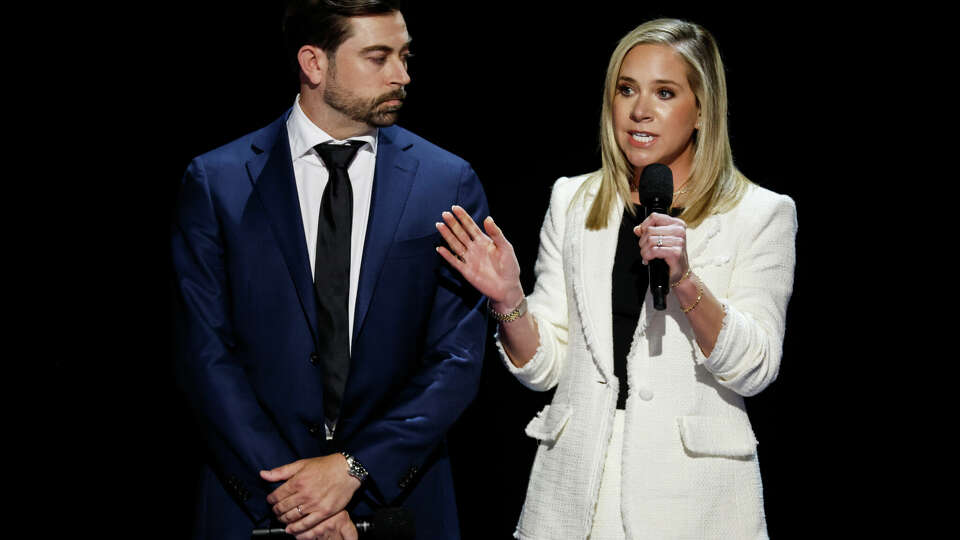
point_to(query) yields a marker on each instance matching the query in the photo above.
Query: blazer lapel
(393, 178)
(594, 252)
(271, 172)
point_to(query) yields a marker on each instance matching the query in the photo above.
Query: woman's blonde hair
(715, 185)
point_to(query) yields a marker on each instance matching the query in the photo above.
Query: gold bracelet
(674, 284)
(699, 297)
(518, 312)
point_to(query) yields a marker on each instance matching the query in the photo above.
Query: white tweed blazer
(689, 466)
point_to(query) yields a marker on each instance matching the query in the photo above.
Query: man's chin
(384, 118)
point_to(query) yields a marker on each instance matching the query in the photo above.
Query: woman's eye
(625, 90)
(664, 93)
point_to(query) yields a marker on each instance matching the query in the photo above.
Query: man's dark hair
(325, 23)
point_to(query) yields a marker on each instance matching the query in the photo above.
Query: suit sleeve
(396, 445)
(746, 357)
(240, 435)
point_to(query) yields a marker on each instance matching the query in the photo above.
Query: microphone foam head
(656, 185)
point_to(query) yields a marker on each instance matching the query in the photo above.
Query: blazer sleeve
(548, 301)
(746, 357)
(395, 446)
(242, 438)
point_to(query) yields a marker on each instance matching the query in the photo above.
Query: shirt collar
(304, 134)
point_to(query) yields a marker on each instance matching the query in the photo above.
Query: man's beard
(370, 111)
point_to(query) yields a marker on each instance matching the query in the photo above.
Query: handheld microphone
(393, 523)
(655, 191)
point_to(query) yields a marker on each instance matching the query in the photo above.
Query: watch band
(518, 312)
(355, 469)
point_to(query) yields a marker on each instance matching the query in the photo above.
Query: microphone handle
(365, 529)
(659, 286)
(659, 272)
(269, 533)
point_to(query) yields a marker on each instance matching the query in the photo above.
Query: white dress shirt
(311, 177)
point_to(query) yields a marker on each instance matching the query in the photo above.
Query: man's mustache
(400, 94)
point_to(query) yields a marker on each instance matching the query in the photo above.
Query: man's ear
(313, 64)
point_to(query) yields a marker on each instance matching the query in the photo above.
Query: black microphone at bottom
(393, 523)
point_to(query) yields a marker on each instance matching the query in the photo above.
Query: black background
(515, 89)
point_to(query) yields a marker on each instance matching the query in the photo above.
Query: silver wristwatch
(355, 469)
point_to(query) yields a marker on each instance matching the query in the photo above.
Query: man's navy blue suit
(247, 330)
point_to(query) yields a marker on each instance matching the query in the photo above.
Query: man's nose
(399, 76)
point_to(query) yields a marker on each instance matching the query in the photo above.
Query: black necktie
(332, 272)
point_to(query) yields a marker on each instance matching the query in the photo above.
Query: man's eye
(380, 60)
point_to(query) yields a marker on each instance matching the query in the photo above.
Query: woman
(646, 436)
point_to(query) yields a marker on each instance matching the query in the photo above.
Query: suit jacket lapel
(271, 171)
(393, 178)
(594, 252)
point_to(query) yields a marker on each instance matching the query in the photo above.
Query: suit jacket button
(315, 430)
(315, 359)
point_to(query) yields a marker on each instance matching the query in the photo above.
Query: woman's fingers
(495, 234)
(678, 231)
(467, 222)
(671, 248)
(461, 232)
(657, 218)
(655, 241)
(453, 242)
(456, 228)
(456, 262)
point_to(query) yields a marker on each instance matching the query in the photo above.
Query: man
(324, 345)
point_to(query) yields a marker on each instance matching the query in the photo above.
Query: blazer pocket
(548, 423)
(717, 436)
(415, 247)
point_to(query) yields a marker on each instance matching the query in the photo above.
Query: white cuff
(534, 373)
(716, 358)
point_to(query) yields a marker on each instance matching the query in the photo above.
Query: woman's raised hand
(486, 260)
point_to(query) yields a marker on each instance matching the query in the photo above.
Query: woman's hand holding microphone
(664, 237)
